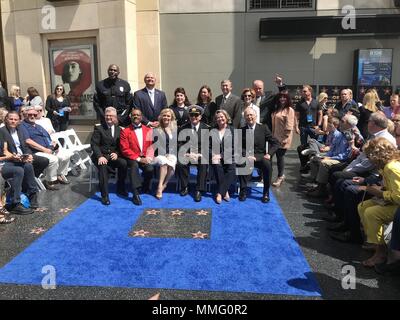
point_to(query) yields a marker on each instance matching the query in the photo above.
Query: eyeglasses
(114, 70)
(59, 89)
(32, 114)
(247, 95)
(195, 115)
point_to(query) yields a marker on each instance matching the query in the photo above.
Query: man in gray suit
(230, 103)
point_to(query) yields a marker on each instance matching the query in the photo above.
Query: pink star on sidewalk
(199, 235)
(176, 213)
(202, 213)
(37, 230)
(140, 233)
(152, 212)
(65, 210)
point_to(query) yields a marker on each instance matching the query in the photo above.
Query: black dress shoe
(242, 196)
(33, 200)
(105, 200)
(197, 196)
(339, 226)
(330, 216)
(341, 236)
(20, 209)
(50, 185)
(136, 200)
(122, 193)
(265, 198)
(184, 192)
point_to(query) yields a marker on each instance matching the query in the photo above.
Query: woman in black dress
(58, 108)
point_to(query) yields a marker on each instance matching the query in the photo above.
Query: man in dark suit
(150, 101)
(107, 154)
(255, 150)
(266, 102)
(114, 92)
(230, 103)
(18, 169)
(136, 147)
(191, 152)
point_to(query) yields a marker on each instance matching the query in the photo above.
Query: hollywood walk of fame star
(140, 233)
(199, 235)
(65, 210)
(41, 210)
(387, 91)
(324, 90)
(335, 90)
(37, 230)
(202, 213)
(176, 212)
(152, 212)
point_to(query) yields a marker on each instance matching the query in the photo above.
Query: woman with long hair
(180, 106)
(165, 140)
(380, 210)
(58, 108)
(33, 98)
(368, 107)
(204, 100)
(283, 122)
(222, 155)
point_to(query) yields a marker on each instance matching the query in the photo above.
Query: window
(281, 4)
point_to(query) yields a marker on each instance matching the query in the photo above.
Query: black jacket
(5, 136)
(102, 142)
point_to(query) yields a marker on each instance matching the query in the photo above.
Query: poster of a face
(73, 67)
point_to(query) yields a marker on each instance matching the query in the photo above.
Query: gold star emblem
(176, 212)
(202, 213)
(140, 233)
(65, 210)
(199, 235)
(37, 230)
(152, 212)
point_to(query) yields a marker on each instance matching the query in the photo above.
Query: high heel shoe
(278, 181)
(159, 194)
(227, 198)
(218, 198)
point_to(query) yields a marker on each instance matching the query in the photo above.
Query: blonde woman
(368, 107)
(3, 113)
(380, 210)
(15, 99)
(164, 139)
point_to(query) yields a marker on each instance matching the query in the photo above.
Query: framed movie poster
(373, 67)
(73, 67)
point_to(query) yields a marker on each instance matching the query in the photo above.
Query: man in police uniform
(107, 155)
(191, 150)
(113, 92)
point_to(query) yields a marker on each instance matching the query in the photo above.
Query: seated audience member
(195, 132)
(392, 264)
(136, 147)
(17, 167)
(33, 98)
(339, 152)
(165, 148)
(43, 121)
(39, 140)
(257, 153)
(396, 132)
(3, 113)
(5, 217)
(346, 103)
(107, 154)
(380, 210)
(394, 107)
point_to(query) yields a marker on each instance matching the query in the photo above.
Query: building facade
(186, 43)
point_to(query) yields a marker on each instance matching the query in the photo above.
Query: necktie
(223, 100)
(111, 131)
(151, 94)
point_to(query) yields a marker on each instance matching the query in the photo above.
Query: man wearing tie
(230, 103)
(150, 101)
(256, 152)
(192, 152)
(136, 147)
(107, 154)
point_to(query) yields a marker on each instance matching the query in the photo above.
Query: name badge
(309, 118)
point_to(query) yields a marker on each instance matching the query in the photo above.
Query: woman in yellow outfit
(380, 210)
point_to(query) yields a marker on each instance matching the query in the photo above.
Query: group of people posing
(225, 139)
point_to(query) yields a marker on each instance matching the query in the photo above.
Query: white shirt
(14, 135)
(112, 130)
(139, 136)
(46, 124)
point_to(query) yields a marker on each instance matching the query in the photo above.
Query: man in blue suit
(150, 101)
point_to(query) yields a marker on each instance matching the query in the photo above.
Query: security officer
(113, 92)
(191, 152)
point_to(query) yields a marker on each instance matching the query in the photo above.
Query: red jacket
(129, 143)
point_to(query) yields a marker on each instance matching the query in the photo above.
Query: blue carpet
(251, 249)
